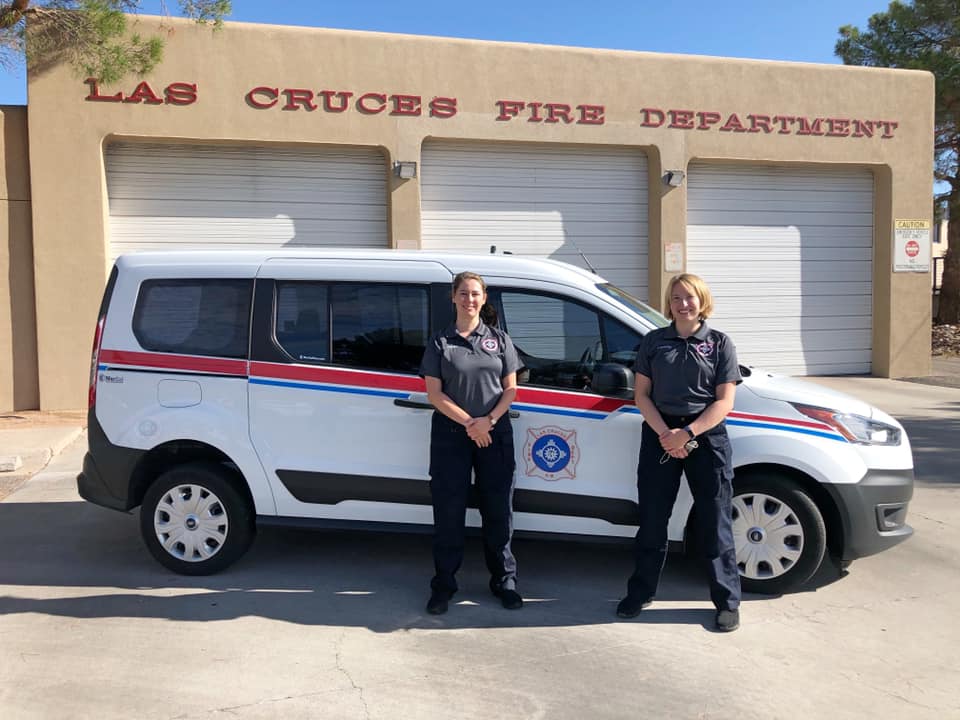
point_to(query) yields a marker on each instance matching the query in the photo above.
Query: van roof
(248, 261)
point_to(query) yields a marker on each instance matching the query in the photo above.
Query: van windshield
(633, 304)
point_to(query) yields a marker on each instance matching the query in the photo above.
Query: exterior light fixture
(405, 169)
(674, 178)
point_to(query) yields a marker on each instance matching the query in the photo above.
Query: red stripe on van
(194, 363)
(573, 401)
(785, 421)
(360, 378)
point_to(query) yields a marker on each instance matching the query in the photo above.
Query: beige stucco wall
(19, 388)
(70, 204)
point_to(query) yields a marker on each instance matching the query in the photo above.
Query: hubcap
(768, 536)
(191, 523)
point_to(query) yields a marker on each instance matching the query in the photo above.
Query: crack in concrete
(338, 656)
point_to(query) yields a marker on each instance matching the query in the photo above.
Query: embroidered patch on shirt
(490, 344)
(705, 348)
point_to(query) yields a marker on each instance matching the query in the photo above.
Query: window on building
(194, 317)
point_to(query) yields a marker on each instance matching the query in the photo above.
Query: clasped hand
(673, 441)
(478, 430)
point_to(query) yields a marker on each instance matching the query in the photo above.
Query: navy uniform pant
(709, 474)
(454, 458)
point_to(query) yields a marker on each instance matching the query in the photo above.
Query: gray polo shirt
(686, 371)
(471, 368)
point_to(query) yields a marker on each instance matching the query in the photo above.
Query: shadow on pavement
(936, 451)
(337, 578)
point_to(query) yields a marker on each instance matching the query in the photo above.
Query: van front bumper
(873, 512)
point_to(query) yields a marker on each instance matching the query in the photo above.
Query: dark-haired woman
(470, 369)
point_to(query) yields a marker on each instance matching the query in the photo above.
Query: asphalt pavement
(331, 624)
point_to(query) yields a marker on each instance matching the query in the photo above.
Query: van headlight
(855, 428)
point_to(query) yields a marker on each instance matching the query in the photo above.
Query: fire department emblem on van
(551, 453)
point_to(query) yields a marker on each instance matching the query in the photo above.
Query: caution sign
(911, 245)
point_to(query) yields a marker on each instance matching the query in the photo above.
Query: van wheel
(194, 520)
(779, 534)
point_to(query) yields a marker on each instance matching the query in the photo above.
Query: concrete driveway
(331, 624)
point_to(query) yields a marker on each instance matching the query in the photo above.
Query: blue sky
(795, 31)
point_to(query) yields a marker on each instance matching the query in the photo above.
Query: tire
(779, 532)
(195, 521)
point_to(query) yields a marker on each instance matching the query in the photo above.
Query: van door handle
(402, 402)
(414, 405)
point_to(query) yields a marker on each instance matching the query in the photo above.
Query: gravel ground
(946, 340)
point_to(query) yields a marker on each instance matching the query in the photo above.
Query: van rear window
(194, 317)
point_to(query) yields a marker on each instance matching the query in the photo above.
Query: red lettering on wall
(707, 118)
(297, 98)
(591, 114)
(810, 128)
(271, 95)
(760, 122)
(838, 127)
(652, 117)
(405, 104)
(784, 121)
(681, 119)
(95, 93)
(443, 107)
(733, 124)
(863, 128)
(379, 107)
(144, 93)
(888, 127)
(557, 112)
(534, 112)
(181, 93)
(509, 109)
(328, 95)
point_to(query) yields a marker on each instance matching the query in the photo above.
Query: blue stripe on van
(329, 388)
(556, 411)
(784, 428)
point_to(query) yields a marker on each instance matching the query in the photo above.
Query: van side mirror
(614, 380)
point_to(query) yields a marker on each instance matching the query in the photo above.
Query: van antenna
(581, 254)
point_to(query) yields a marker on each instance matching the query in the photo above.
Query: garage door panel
(793, 218)
(539, 200)
(616, 231)
(788, 255)
(779, 253)
(778, 237)
(798, 272)
(195, 196)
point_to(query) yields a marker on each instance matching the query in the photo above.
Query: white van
(235, 389)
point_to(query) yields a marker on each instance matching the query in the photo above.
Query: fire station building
(801, 193)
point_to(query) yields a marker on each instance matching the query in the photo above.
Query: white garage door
(540, 200)
(195, 196)
(788, 254)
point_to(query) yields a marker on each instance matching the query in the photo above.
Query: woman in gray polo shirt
(470, 371)
(686, 377)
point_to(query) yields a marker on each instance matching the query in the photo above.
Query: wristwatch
(492, 420)
(689, 432)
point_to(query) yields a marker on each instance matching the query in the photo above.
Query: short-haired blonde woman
(686, 378)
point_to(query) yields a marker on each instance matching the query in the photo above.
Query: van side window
(194, 317)
(621, 342)
(379, 326)
(303, 321)
(559, 341)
